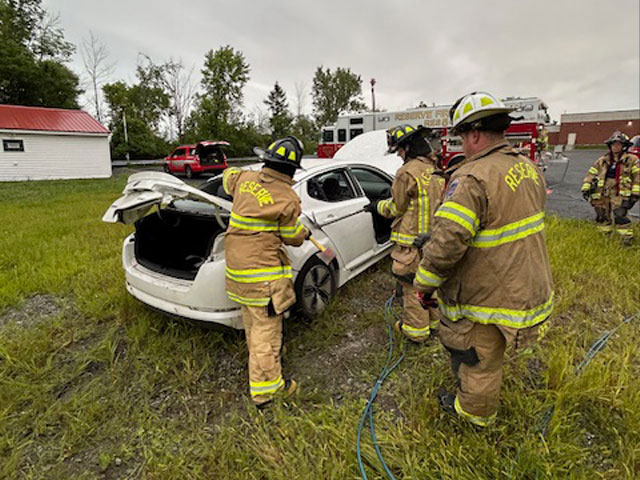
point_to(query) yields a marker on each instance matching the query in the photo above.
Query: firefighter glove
(586, 194)
(421, 240)
(371, 207)
(426, 300)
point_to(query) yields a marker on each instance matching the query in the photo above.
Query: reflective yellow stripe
(388, 205)
(254, 224)
(225, 177)
(425, 277)
(266, 388)
(475, 419)
(415, 332)
(423, 208)
(605, 228)
(586, 186)
(250, 302)
(635, 169)
(593, 171)
(459, 214)
(255, 275)
(499, 316)
(292, 232)
(402, 238)
(635, 189)
(509, 233)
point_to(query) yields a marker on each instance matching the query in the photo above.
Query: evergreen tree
(280, 120)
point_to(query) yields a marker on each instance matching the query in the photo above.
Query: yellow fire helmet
(468, 110)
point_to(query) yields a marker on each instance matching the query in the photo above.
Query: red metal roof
(15, 117)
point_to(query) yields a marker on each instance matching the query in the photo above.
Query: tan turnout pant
(605, 217)
(417, 321)
(264, 340)
(477, 353)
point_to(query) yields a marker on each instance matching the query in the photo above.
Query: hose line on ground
(389, 366)
(595, 348)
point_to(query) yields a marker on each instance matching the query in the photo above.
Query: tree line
(163, 106)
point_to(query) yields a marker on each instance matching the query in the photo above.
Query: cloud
(576, 56)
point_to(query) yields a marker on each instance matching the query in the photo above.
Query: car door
(376, 185)
(178, 158)
(335, 205)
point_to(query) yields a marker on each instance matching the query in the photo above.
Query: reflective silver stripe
(291, 232)
(402, 238)
(460, 214)
(249, 302)
(510, 232)
(255, 224)
(425, 277)
(265, 388)
(256, 275)
(499, 316)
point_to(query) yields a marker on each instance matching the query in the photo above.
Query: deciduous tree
(334, 93)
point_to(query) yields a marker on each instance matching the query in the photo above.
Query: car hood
(147, 189)
(371, 148)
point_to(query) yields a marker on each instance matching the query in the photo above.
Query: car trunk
(210, 155)
(175, 242)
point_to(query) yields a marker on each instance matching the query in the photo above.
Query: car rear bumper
(203, 299)
(231, 318)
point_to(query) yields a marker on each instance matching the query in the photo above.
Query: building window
(13, 145)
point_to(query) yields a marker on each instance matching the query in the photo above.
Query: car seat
(332, 189)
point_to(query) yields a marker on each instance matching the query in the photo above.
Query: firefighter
(264, 218)
(415, 196)
(486, 258)
(612, 185)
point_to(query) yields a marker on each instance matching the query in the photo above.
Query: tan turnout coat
(264, 218)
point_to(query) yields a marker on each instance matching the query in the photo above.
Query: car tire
(315, 287)
(188, 172)
(166, 168)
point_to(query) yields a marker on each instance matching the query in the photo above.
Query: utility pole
(373, 101)
(126, 135)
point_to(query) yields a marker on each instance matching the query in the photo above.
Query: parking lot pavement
(564, 200)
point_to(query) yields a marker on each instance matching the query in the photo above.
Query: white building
(39, 143)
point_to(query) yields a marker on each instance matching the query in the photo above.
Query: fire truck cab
(530, 112)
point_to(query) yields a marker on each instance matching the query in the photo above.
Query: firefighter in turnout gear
(416, 194)
(264, 218)
(486, 258)
(612, 185)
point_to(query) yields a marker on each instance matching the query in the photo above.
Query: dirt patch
(338, 369)
(32, 311)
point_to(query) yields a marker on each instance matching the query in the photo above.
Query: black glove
(421, 240)
(371, 207)
(426, 300)
(586, 194)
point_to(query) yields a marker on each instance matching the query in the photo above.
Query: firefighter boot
(287, 390)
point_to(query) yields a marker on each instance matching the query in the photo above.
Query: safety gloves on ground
(426, 300)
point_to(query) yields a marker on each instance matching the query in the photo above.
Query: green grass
(95, 385)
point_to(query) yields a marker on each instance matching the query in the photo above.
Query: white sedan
(175, 259)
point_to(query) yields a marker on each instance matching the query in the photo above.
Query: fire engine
(531, 114)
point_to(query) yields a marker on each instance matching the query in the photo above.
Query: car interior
(375, 187)
(210, 155)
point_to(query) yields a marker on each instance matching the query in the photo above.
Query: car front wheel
(315, 287)
(188, 172)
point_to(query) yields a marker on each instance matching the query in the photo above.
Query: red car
(635, 146)
(192, 160)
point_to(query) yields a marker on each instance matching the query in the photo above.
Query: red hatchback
(192, 160)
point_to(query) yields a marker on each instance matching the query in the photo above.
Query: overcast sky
(577, 56)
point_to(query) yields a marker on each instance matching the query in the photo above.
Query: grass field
(95, 385)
